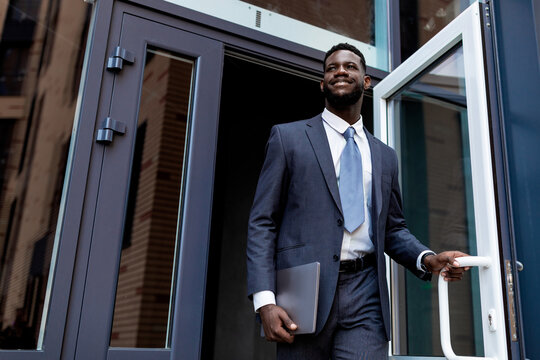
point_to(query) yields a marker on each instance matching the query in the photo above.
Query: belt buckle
(355, 265)
(347, 265)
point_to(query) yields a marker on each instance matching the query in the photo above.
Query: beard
(343, 101)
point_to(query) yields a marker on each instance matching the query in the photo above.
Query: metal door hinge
(118, 58)
(110, 126)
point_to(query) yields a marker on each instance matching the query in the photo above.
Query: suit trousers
(354, 329)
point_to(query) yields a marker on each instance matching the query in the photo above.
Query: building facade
(132, 134)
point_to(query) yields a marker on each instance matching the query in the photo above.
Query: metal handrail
(444, 309)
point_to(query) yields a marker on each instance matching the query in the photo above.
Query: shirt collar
(341, 125)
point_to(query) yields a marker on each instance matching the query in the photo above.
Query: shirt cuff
(419, 260)
(262, 298)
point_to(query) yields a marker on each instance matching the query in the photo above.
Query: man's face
(344, 79)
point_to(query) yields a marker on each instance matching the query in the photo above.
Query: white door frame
(466, 28)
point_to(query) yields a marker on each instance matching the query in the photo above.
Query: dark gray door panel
(138, 35)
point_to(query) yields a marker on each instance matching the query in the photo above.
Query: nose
(341, 71)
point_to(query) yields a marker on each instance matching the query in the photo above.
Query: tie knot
(349, 133)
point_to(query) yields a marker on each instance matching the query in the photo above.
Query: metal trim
(500, 158)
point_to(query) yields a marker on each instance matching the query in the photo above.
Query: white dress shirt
(358, 243)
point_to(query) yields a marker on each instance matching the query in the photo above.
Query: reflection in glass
(42, 48)
(354, 19)
(420, 20)
(433, 144)
(143, 305)
(317, 24)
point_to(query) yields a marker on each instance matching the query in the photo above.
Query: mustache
(343, 101)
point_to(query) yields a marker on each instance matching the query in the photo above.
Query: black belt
(357, 264)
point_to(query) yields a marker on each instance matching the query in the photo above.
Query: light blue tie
(351, 186)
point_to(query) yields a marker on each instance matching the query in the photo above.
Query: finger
(453, 274)
(287, 321)
(456, 274)
(271, 334)
(459, 254)
(453, 267)
(465, 268)
(451, 261)
(282, 335)
(456, 278)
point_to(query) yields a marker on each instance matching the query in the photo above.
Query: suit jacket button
(336, 258)
(339, 222)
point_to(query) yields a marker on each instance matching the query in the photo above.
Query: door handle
(444, 312)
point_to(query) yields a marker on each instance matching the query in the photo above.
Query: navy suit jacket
(297, 218)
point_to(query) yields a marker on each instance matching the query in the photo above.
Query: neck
(350, 114)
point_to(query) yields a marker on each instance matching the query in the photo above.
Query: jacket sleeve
(400, 244)
(265, 217)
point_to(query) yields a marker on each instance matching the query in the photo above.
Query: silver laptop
(298, 293)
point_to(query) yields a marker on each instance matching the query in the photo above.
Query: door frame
(466, 29)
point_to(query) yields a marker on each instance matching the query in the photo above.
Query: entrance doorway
(254, 97)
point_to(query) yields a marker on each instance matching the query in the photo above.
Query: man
(329, 192)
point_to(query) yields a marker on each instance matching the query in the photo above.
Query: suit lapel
(376, 170)
(319, 141)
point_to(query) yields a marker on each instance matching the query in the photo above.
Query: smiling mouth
(341, 82)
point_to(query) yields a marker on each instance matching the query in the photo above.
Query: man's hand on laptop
(277, 324)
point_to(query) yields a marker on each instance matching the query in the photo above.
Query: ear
(367, 82)
(322, 85)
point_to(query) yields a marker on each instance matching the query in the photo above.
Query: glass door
(41, 171)
(433, 110)
(155, 148)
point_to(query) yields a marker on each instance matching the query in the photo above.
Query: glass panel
(339, 16)
(318, 24)
(143, 298)
(40, 70)
(430, 118)
(420, 20)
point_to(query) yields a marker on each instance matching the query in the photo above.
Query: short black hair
(345, 46)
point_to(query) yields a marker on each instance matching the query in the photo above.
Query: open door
(144, 284)
(433, 110)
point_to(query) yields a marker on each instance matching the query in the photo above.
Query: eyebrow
(345, 63)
